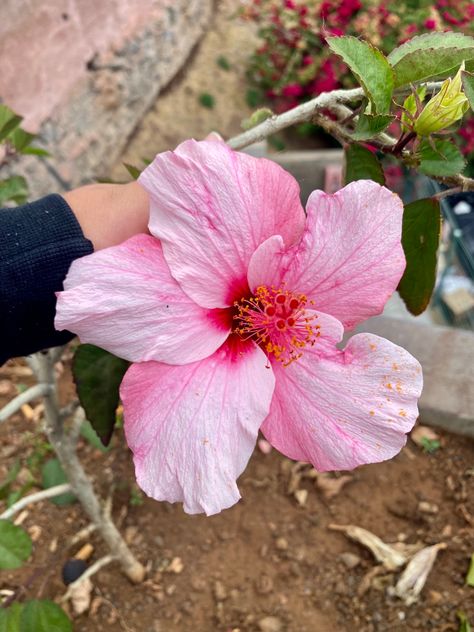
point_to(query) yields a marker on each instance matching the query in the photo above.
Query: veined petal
(193, 428)
(211, 207)
(344, 409)
(350, 258)
(125, 300)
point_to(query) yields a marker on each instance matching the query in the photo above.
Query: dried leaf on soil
(81, 596)
(384, 553)
(413, 578)
(330, 486)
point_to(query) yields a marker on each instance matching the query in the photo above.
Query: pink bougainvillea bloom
(430, 24)
(292, 90)
(232, 311)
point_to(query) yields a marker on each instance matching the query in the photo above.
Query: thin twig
(65, 448)
(76, 425)
(83, 534)
(69, 409)
(457, 181)
(447, 193)
(51, 492)
(92, 570)
(300, 114)
(17, 402)
(305, 112)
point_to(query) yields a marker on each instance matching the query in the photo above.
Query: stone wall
(84, 72)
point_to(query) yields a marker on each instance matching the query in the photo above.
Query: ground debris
(411, 581)
(270, 624)
(384, 553)
(331, 486)
(421, 434)
(81, 596)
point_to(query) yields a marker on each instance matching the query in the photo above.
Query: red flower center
(278, 321)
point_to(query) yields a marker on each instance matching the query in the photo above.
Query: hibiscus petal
(124, 300)
(342, 409)
(212, 207)
(193, 428)
(350, 258)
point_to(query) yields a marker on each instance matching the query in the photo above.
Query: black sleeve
(38, 243)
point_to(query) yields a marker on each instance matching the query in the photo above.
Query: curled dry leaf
(330, 486)
(408, 550)
(301, 496)
(384, 553)
(81, 596)
(413, 578)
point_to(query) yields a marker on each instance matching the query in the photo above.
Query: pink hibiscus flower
(232, 311)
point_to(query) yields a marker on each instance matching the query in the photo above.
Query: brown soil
(267, 556)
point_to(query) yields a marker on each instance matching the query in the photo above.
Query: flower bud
(444, 109)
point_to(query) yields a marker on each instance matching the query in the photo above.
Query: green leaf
(253, 98)
(470, 573)
(10, 618)
(97, 374)
(362, 164)
(431, 56)
(468, 87)
(133, 171)
(369, 125)
(420, 239)
(371, 68)
(9, 479)
(430, 446)
(276, 142)
(442, 159)
(21, 139)
(36, 151)
(13, 189)
(44, 616)
(15, 495)
(256, 118)
(207, 100)
(90, 435)
(15, 545)
(464, 625)
(8, 121)
(53, 474)
(223, 62)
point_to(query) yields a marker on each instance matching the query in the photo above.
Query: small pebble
(301, 496)
(175, 566)
(264, 584)
(220, 592)
(270, 624)
(281, 544)
(429, 508)
(350, 559)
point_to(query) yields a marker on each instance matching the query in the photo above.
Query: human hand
(110, 213)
